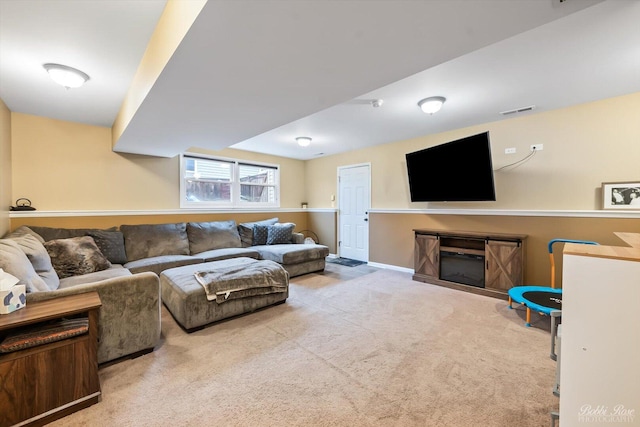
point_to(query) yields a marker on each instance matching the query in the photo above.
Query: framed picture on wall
(621, 195)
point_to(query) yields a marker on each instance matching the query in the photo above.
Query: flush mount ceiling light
(66, 76)
(432, 104)
(303, 141)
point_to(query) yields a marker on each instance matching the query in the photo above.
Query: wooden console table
(501, 255)
(46, 382)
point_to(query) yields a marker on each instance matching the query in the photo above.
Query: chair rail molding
(508, 212)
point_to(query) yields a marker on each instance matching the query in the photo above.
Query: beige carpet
(377, 350)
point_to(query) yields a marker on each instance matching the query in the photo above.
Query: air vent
(518, 110)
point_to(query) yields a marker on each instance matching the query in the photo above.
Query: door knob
(366, 219)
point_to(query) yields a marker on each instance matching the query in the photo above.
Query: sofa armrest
(129, 319)
(297, 238)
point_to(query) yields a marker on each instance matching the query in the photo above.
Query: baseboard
(391, 267)
(380, 265)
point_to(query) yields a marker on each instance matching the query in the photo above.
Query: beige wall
(324, 225)
(5, 167)
(70, 166)
(584, 146)
(392, 237)
(62, 165)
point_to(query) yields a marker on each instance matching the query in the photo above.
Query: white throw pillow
(14, 261)
(40, 259)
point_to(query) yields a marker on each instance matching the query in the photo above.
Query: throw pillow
(21, 231)
(246, 230)
(206, 236)
(260, 234)
(280, 233)
(76, 256)
(111, 244)
(16, 263)
(39, 258)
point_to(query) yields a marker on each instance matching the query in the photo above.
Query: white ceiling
(105, 39)
(259, 73)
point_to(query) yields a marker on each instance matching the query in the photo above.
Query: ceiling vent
(518, 110)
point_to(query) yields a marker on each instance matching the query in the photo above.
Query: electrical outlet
(511, 150)
(537, 147)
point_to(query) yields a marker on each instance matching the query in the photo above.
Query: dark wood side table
(49, 381)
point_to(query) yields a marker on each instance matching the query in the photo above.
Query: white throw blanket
(244, 280)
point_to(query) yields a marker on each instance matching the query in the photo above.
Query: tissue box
(13, 299)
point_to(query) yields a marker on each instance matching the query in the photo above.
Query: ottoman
(185, 297)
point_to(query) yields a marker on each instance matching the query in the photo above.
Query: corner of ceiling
(174, 23)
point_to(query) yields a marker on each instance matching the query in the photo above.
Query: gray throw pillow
(39, 258)
(260, 234)
(246, 230)
(76, 256)
(111, 244)
(206, 236)
(16, 263)
(152, 240)
(279, 234)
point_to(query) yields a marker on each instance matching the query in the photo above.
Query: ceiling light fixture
(432, 104)
(303, 141)
(377, 103)
(66, 76)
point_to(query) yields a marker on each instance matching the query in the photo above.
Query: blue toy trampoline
(542, 299)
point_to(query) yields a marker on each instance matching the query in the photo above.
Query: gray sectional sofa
(158, 247)
(123, 266)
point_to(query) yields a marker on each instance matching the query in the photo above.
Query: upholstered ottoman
(234, 286)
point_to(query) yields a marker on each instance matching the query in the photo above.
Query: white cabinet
(600, 365)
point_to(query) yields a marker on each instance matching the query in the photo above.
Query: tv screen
(458, 171)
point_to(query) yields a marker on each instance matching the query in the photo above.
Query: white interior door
(353, 211)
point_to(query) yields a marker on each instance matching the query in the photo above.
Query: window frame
(235, 202)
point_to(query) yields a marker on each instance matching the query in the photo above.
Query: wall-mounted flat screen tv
(457, 171)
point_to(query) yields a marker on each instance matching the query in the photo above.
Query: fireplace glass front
(467, 269)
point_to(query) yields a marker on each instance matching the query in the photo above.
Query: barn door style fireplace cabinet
(483, 263)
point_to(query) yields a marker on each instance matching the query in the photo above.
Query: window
(217, 182)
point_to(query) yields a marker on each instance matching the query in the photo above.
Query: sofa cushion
(116, 270)
(153, 240)
(279, 234)
(14, 261)
(21, 231)
(227, 253)
(205, 236)
(39, 258)
(246, 230)
(160, 263)
(292, 253)
(75, 256)
(111, 244)
(54, 233)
